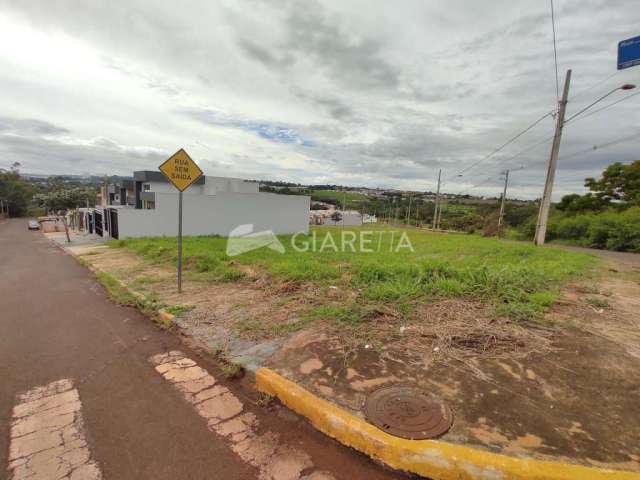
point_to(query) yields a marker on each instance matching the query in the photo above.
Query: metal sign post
(182, 172)
(180, 242)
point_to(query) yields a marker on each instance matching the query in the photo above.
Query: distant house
(147, 206)
(122, 193)
(333, 217)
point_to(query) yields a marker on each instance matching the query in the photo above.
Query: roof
(155, 176)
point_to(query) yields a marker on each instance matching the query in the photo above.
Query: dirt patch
(570, 392)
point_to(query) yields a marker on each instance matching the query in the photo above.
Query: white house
(211, 206)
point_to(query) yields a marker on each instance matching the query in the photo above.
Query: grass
(519, 280)
(233, 371)
(118, 293)
(352, 198)
(178, 310)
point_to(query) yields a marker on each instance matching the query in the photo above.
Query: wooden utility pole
(435, 207)
(545, 204)
(409, 211)
(504, 197)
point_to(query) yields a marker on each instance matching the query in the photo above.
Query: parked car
(34, 225)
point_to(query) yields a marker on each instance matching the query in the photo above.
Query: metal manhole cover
(406, 412)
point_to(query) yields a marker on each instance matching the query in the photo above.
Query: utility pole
(439, 215)
(435, 208)
(504, 196)
(545, 204)
(344, 206)
(409, 211)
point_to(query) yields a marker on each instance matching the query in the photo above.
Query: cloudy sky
(356, 92)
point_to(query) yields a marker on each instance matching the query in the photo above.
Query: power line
(595, 147)
(529, 148)
(598, 83)
(572, 120)
(604, 145)
(476, 185)
(508, 142)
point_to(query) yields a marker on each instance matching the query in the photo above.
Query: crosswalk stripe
(47, 436)
(225, 415)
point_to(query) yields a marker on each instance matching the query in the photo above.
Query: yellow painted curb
(166, 317)
(430, 458)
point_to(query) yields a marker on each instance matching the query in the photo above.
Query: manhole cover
(407, 412)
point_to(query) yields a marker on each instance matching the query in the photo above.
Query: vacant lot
(520, 341)
(385, 270)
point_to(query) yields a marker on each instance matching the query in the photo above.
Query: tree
(619, 183)
(15, 190)
(575, 203)
(57, 197)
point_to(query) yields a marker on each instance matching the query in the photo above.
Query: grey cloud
(313, 34)
(29, 126)
(263, 55)
(386, 101)
(65, 155)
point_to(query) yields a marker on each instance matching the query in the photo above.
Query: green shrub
(613, 229)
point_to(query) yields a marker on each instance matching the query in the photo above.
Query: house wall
(217, 214)
(350, 220)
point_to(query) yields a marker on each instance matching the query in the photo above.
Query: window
(146, 187)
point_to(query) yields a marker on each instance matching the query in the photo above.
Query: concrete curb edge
(430, 458)
(166, 317)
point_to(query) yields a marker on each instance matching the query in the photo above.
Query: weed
(597, 302)
(121, 295)
(248, 326)
(351, 314)
(292, 327)
(116, 291)
(216, 350)
(265, 400)
(179, 310)
(233, 371)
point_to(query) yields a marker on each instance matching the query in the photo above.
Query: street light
(626, 86)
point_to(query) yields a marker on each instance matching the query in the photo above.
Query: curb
(429, 458)
(166, 317)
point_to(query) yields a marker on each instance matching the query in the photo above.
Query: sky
(359, 92)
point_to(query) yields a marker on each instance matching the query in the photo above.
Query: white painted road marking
(47, 439)
(225, 416)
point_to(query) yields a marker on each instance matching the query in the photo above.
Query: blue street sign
(629, 53)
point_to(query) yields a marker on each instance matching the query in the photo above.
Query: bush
(612, 230)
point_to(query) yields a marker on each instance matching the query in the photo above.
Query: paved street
(94, 390)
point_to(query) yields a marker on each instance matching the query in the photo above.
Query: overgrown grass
(519, 280)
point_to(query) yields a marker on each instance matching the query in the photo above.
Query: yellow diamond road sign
(180, 170)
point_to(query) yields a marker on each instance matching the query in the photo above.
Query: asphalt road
(57, 323)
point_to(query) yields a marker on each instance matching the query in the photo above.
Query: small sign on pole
(182, 172)
(629, 53)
